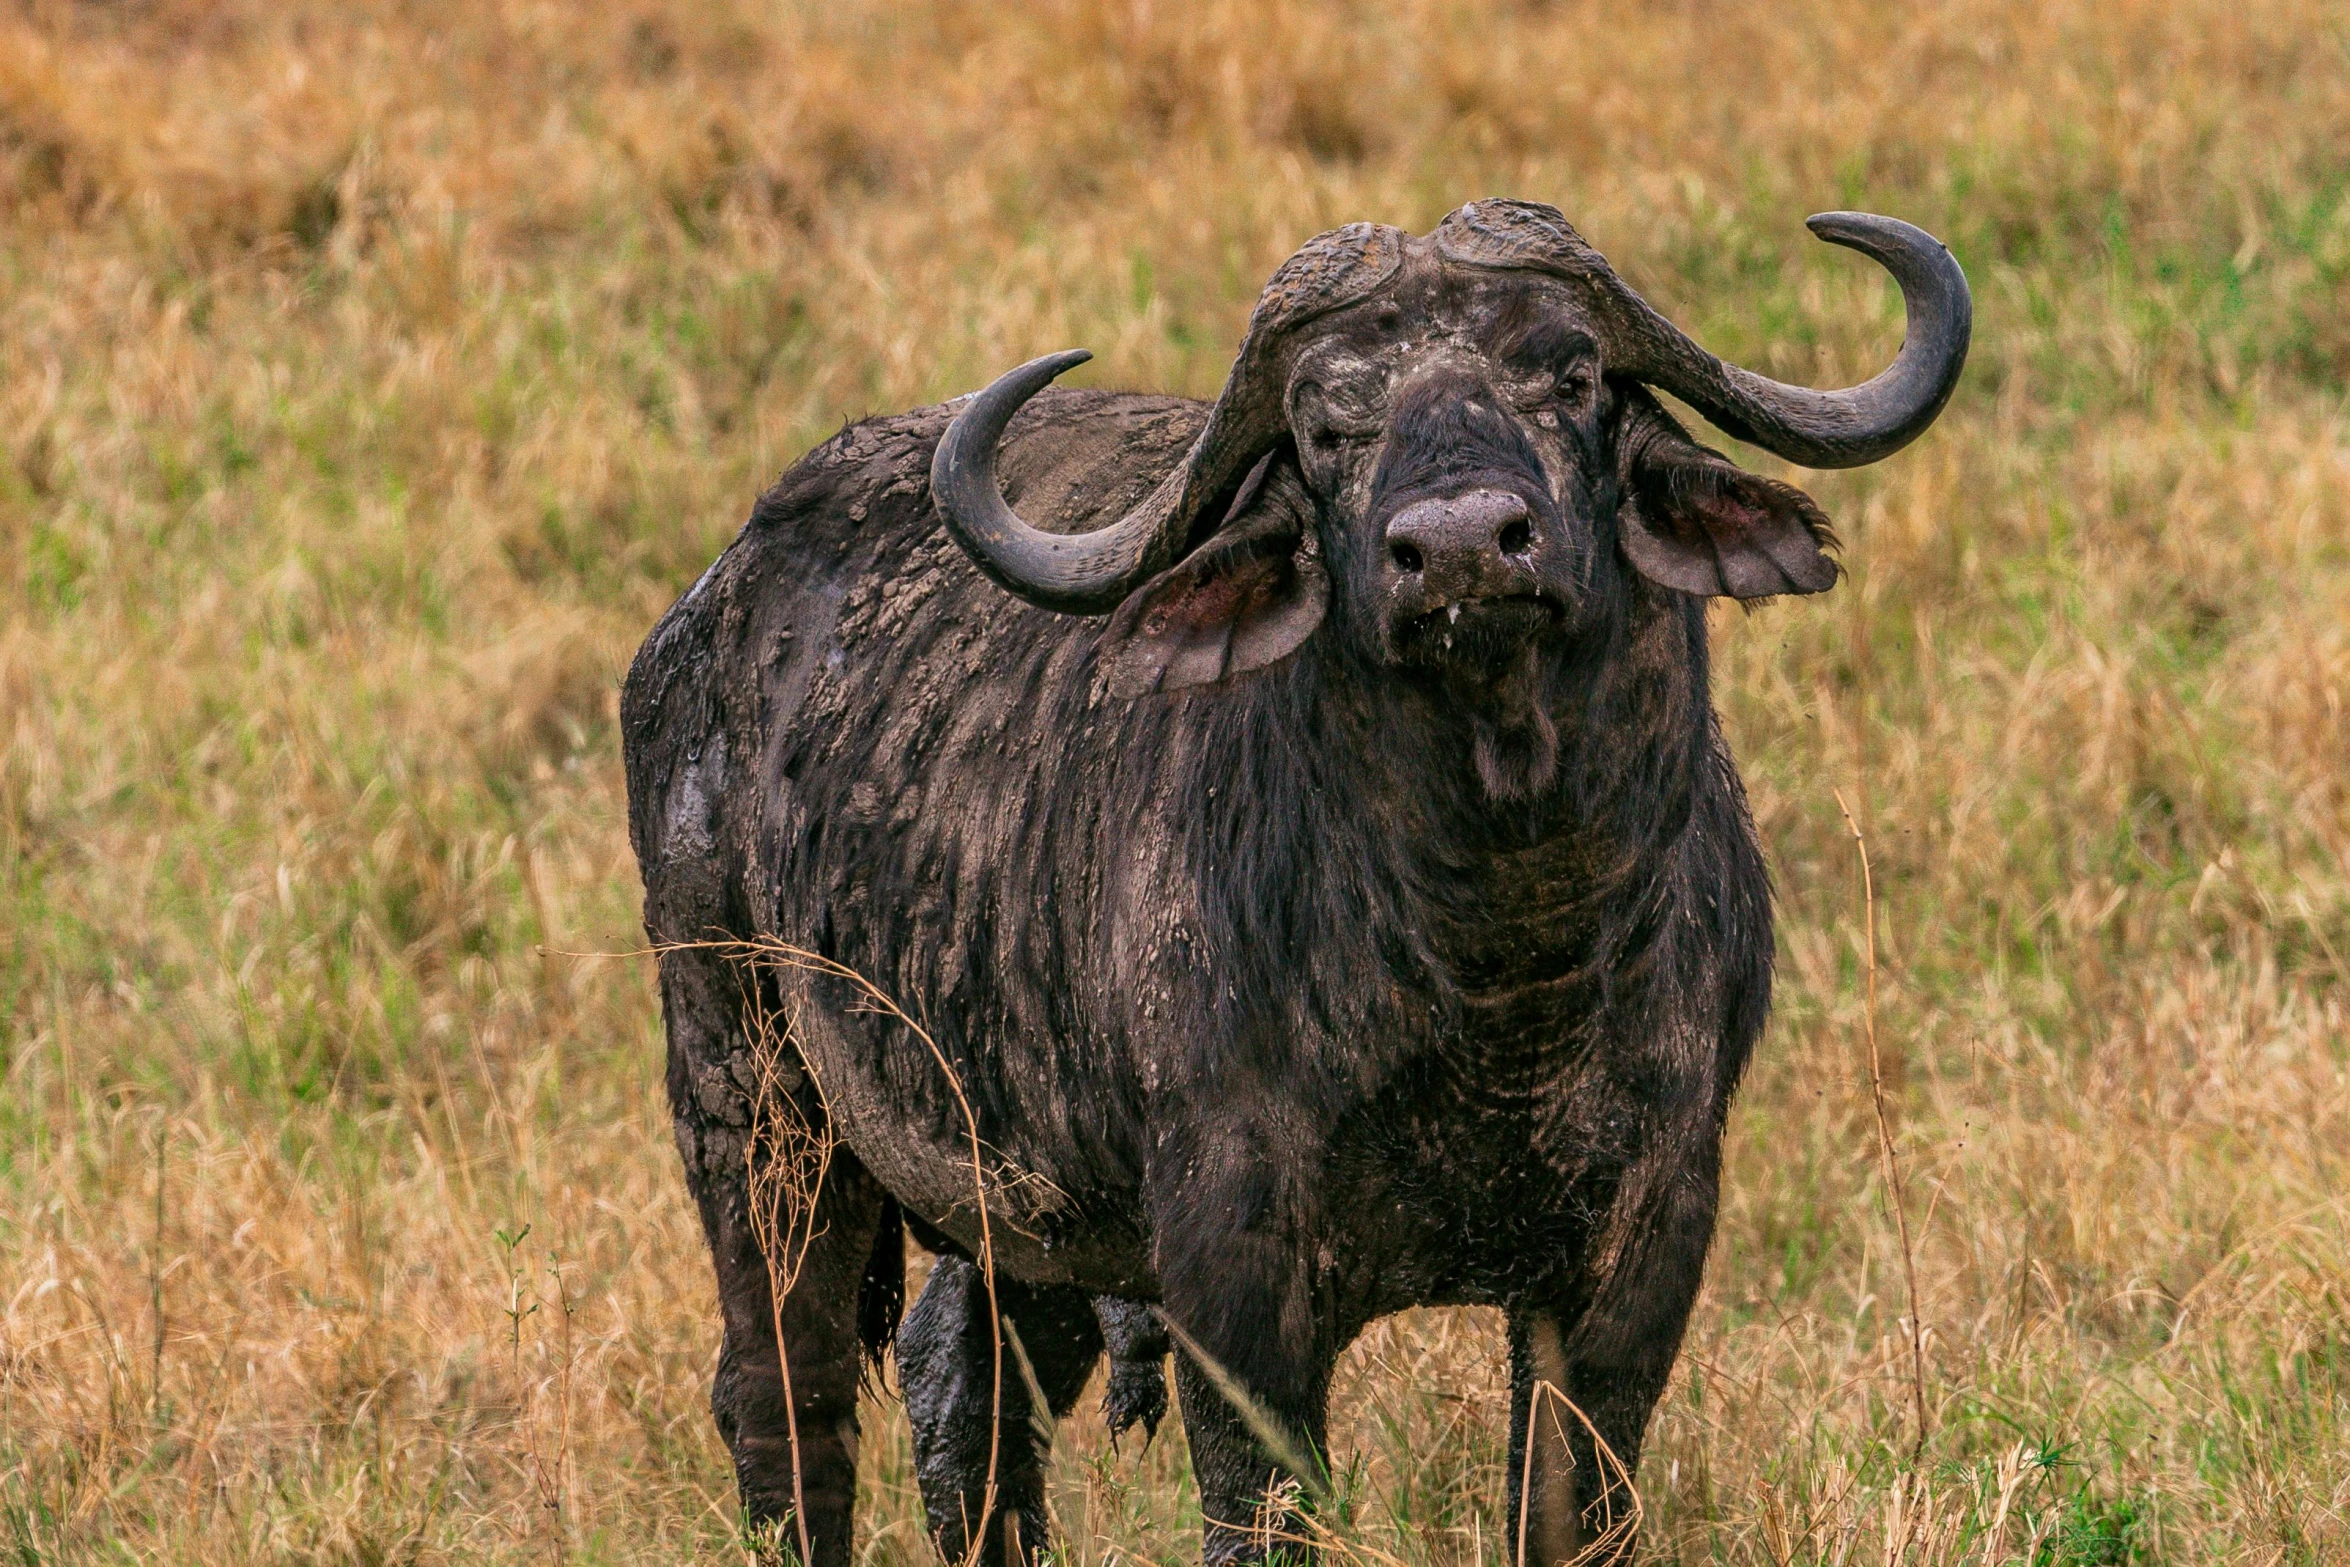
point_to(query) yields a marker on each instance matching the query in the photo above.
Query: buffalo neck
(1492, 892)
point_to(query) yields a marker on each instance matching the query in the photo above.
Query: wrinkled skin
(1367, 916)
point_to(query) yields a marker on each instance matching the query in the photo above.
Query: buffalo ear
(1696, 521)
(1247, 597)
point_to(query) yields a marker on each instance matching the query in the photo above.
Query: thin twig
(785, 1162)
(547, 1478)
(155, 1280)
(1526, 1481)
(1613, 1475)
(1889, 1159)
(1040, 1418)
(559, 1488)
(782, 954)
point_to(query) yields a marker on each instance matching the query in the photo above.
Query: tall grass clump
(372, 377)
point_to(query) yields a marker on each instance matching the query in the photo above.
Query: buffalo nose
(1463, 538)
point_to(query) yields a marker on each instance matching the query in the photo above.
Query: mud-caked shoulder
(1072, 459)
(849, 520)
(840, 478)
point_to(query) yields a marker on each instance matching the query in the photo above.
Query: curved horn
(1081, 573)
(1089, 573)
(1832, 429)
(1818, 429)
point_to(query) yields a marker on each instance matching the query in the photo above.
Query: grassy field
(369, 383)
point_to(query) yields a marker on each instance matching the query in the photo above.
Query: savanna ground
(370, 383)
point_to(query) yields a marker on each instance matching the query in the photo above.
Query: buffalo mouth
(1475, 629)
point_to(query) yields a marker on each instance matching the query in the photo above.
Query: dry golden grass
(370, 382)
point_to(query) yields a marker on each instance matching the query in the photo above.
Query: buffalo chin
(1486, 651)
(1490, 659)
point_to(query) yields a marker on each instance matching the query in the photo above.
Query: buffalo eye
(1577, 384)
(1310, 416)
(1554, 361)
(1319, 426)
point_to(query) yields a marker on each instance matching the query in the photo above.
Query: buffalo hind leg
(1138, 1346)
(710, 1080)
(947, 1366)
(1583, 1375)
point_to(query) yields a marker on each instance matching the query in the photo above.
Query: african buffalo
(1365, 914)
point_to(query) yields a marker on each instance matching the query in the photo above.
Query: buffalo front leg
(804, 1447)
(1243, 1488)
(1237, 1257)
(977, 1450)
(1584, 1378)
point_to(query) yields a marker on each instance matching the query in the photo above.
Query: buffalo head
(1450, 442)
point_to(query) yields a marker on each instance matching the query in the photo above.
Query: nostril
(1407, 557)
(1517, 538)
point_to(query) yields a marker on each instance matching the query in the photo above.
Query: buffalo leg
(1242, 1519)
(948, 1368)
(1236, 1245)
(710, 1083)
(1588, 1374)
(1138, 1346)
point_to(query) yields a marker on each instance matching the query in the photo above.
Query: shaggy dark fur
(1418, 967)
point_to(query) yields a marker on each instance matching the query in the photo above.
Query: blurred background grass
(371, 379)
